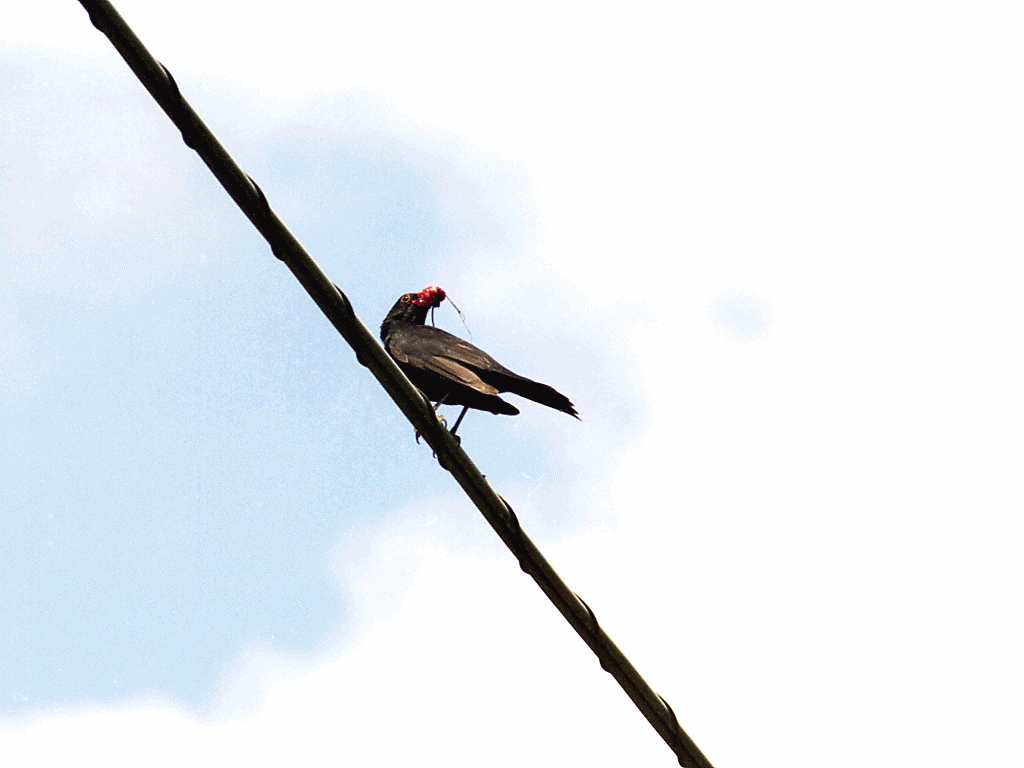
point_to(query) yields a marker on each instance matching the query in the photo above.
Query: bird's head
(413, 307)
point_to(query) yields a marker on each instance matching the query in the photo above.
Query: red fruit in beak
(431, 296)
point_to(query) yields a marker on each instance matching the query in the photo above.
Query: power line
(335, 305)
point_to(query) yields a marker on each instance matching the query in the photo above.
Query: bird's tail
(534, 390)
(496, 405)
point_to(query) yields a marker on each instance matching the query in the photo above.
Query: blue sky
(772, 253)
(195, 438)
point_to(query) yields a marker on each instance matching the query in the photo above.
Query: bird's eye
(407, 298)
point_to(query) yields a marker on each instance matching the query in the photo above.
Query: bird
(450, 370)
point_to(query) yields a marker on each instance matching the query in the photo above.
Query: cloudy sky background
(772, 253)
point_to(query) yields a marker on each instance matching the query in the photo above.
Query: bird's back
(424, 341)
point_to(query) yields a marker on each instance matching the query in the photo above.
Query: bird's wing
(437, 343)
(440, 356)
(394, 347)
(451, 369)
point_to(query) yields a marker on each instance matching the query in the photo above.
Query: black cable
(335, 305)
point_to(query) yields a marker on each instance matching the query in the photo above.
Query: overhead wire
(338, 309)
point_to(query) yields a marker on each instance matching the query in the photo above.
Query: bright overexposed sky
(771, 251)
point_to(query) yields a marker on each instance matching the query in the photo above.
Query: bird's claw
(444, 464)
(441, 421)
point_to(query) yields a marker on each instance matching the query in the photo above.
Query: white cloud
(455, 659)
(809, 545)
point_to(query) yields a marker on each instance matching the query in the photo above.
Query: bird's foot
(440, 459)
(440, 420)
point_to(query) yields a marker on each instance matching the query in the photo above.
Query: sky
(771, 251)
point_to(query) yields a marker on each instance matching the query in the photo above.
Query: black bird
(450, 371)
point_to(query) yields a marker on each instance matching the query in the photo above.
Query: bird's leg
(439, 416)
(459, 421)
(436, 407)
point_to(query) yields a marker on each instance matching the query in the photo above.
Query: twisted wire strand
(158, 80)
